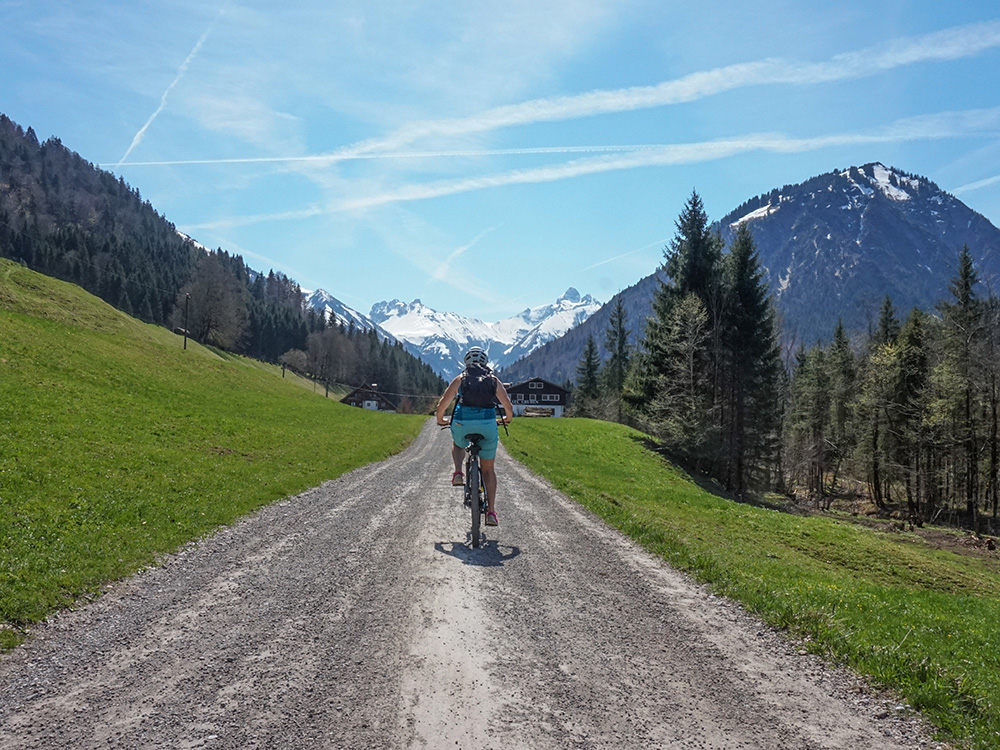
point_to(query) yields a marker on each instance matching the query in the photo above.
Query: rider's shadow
(489, 554)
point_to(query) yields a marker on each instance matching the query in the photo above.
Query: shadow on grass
(712, 486)
(490, 555)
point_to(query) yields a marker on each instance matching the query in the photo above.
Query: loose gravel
(357, 615)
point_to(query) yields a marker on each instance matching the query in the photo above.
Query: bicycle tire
(474, 490)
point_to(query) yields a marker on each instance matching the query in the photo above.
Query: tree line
(905, 416)
(909, 416)
(62, 216)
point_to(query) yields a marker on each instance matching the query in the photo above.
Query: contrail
(925, 127)
(976, 185)
(137, 139)
(658, 243)
(338, 157)
(441, 272)
(948, 44)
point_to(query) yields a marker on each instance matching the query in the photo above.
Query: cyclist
(478, 391)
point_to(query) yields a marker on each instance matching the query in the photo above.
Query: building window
(536, 384)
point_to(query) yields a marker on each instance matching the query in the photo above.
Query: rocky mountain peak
(441, 338)
(831, 247)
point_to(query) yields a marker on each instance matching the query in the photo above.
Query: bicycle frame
(475, 491)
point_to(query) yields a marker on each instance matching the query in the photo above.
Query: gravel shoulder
(356, 615)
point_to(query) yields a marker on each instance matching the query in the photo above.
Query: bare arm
(445, 401)
(504, 400)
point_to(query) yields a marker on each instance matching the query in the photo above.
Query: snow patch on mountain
(339, 313)
(759, 213)
(441, 338)
(889, 182)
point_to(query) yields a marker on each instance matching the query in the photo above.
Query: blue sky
(485, 156)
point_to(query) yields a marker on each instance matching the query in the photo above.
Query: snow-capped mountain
(322, 300)
(832, 248)
(836, 245)
(441, 338)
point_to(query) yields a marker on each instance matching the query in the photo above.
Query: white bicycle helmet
(476, 356)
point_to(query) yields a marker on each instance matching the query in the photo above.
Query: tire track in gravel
(356, 615)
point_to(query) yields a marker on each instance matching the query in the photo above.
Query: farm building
(369, 397)
(538, 397)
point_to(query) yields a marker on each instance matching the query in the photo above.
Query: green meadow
(919, 618)
(118, 446)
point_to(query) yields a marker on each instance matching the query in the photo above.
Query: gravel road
(356, 615)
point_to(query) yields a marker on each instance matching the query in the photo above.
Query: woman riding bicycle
(478, 391)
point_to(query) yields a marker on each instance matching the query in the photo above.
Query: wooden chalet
(536, 397)
(369, 397)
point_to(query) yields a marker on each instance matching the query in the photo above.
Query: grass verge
(117, 446)
(920, 621)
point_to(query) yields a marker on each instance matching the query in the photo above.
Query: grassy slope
(116, 445)
(921, 621)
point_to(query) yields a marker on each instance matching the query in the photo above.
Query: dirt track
(356, 616)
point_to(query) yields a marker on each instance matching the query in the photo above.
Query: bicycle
(474, 488)
(475, 491)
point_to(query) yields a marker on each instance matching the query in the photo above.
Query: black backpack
(478, 388)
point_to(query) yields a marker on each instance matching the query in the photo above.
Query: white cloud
(247, 118)
(963, 41)
(928, 127)
(931, 127)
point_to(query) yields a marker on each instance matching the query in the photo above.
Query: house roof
(549, 385)
(368, 392)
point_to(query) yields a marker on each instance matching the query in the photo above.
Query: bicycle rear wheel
(474, 488)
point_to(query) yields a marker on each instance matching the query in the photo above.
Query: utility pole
(187, 299)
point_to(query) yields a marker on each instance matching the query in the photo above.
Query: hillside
(117, 445)
(556, 360)
(837, 244)
(63, 217)
(832, 248)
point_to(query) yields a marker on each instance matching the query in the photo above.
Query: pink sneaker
(491, 519)
(457, 480)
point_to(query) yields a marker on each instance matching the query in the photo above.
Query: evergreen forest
(62, 216)
(903, 420)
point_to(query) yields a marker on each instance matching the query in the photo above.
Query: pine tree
(875, 401)
(749, 364)
(620, 355)
(910, 407)
(808, 422)
(695, 255)
(587, 385)
(843, 386)
(963, 328)
(888, 324)
(680, 411)
(692, 267)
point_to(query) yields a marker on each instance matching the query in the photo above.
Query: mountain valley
(441, 338)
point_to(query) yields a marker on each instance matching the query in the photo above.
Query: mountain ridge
(831, 247)
(440, 339)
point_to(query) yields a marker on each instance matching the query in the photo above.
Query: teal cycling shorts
(461, 428)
